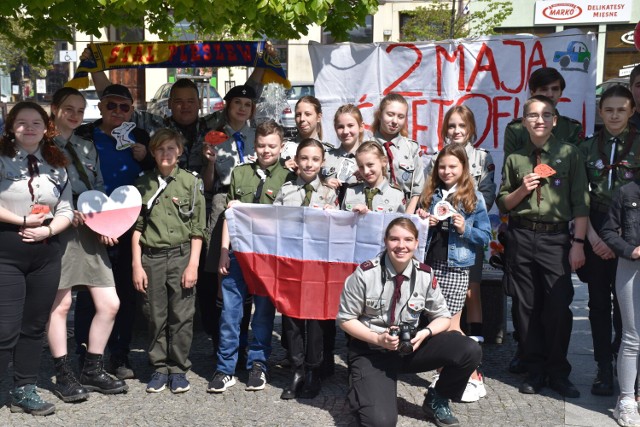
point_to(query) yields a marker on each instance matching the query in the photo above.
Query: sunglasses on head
(123, 107)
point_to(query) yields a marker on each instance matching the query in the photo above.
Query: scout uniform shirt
(368, 292)
(293, 193)
(340, 164)
(564, 196)
(228, 156)
(405, 167)
(173, 215)
(481, 168)
(19, 191)
(386, 199)
(251, 184)
(603, 178)
(566, 129)
(84, 165)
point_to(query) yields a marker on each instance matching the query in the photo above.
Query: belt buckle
(538, 226)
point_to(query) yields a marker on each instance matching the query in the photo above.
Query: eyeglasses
(123, 107)
(532, 117)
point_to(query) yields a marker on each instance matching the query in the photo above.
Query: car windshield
(297, 92)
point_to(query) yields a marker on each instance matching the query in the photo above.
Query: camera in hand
(405, 332)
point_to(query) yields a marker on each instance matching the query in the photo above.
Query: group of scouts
(556, 188)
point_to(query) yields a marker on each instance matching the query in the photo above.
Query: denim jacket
(477, 233)
(621, 229)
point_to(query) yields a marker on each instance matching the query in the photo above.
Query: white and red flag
(300, 257)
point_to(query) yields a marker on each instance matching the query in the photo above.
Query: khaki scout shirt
(388, 199)
(596, 162)
(481, 168)
(245, 180)
(367, 294)
(566, 129)
(170, 222)
(50, 188)
(565, 195)
(293, 193)
(407, 164)
(88, 156)
(227, 156)
(340, 164)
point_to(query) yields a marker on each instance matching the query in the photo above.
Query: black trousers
(541, 278)
(373, 374)
(601, 280)
(120, 338)
(29, 278)
(305, 340)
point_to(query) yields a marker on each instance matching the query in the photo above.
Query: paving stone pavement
(503, 405)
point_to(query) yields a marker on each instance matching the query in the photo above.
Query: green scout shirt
(170, 223)
(597, 154)
(245, 180)
(564, 195)
(566, 129)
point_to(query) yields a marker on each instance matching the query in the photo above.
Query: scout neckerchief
(263, 175)
(611, 164)
(369, 194)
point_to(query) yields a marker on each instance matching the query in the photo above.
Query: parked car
(624, 81)
(209, 97)
(91, 111)
(297, 91)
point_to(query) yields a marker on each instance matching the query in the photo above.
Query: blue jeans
(234, 294)
(262, 327)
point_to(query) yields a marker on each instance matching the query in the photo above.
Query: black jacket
(621, 229)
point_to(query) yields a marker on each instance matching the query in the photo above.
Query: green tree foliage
(14, 54)
(44, 21)
(434, 22)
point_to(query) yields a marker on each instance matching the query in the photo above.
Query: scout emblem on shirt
(599, 164)
(443, 210)
(557, 182)
(346, 169)
(121, 134)
(406, 175)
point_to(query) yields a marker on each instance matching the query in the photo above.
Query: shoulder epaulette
(327, 147)
(424, 267)
(367, 265)
(514, 121)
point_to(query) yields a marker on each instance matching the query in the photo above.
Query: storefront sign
(564, 12)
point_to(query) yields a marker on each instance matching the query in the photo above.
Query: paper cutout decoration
(544, 171)
(300, 257)
(111, 216)
(121, 134)
(443, 210)
(38, 209)
(346, 169)
(215, 137)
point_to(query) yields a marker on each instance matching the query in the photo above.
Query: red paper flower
(215, 137)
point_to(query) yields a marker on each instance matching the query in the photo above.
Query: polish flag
(300, 257)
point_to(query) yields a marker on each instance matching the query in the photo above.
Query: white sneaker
(471, 392)
(476, 338)
(626, 413)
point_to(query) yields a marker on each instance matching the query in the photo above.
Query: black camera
(405, 332)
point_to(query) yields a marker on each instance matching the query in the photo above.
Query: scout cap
(117, 90)
(242, 91)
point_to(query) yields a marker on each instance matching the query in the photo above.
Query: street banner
(300, 257)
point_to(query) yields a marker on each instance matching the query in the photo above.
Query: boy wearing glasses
(122, 151)
(544, 186)
(547, 82)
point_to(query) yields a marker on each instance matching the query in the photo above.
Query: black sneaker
(437, 408)
(220, 382)
(257, 377)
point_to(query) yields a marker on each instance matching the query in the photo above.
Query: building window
(358, 34)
